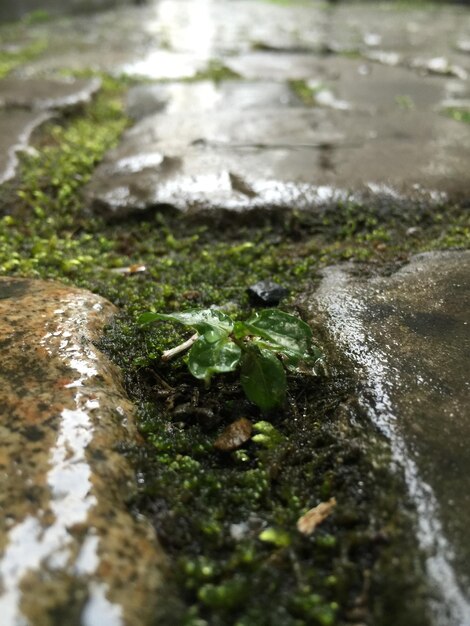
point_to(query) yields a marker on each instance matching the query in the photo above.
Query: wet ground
(263, 140)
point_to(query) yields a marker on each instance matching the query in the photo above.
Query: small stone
(234, 436)
(266, 293)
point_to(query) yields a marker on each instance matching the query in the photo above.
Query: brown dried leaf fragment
(234, 436)
(308, 522)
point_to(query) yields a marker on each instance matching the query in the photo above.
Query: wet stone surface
(178, 98)
(16, 128)
(13, 10)
(380, 79)
(70, 552)
(409, 335)
(186, 33)
(26, 104)
(42, 93)
(197, 154)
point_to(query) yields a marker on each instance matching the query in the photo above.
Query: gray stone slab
(179, 98)
(70, 550)
(16, 127)
(43, 93)
(26, 104)
(408, 335)
(14, 9)
(287, 156)
(238, 25)
(276, 66)
(125, 40)
(358, 83)
(174, 38)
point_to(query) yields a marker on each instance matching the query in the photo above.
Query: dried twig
(308, 522)
(169, 354)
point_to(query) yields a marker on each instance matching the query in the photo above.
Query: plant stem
(169, 354)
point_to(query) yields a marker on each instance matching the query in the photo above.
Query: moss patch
(12, 57)
(215, 71)
(459, 115)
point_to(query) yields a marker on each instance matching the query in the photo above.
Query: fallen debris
(308, 522)
(234, 436)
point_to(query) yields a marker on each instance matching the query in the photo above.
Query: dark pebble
(266, 293)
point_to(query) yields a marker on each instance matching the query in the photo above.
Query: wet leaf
(211, 323)
(308, 522)
(263, 378)
(279, 330)
(207, 358)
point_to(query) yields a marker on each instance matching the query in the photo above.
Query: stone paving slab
(179, 98)
(175, 38)
(408, 335)
(14, 10)
(26, 104)
(16, 128)
(43, 93)
(286, 155)
(70, 552)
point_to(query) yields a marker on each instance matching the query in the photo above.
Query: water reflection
(187, 31)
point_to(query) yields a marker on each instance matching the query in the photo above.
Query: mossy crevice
(209, 509)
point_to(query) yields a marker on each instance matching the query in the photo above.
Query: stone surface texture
(43, 93)
(26, 104)
(14, 9)
(381, 77)
(381, 80)
(68, 545)
(409, 333)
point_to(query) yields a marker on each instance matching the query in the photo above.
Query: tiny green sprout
(267, 436)
(279, 538)
(262, 347)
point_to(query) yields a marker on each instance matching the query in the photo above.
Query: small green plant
(263, 347)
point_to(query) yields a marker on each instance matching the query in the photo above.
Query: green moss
(459, 115)
(215, 71)
(37, 17)
(11, 58)
(303, 91)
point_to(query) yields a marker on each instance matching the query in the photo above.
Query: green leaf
(147, 318)
(206, 358)
(281, 329)
(303, 364)
(211, 323)
(263, 378)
